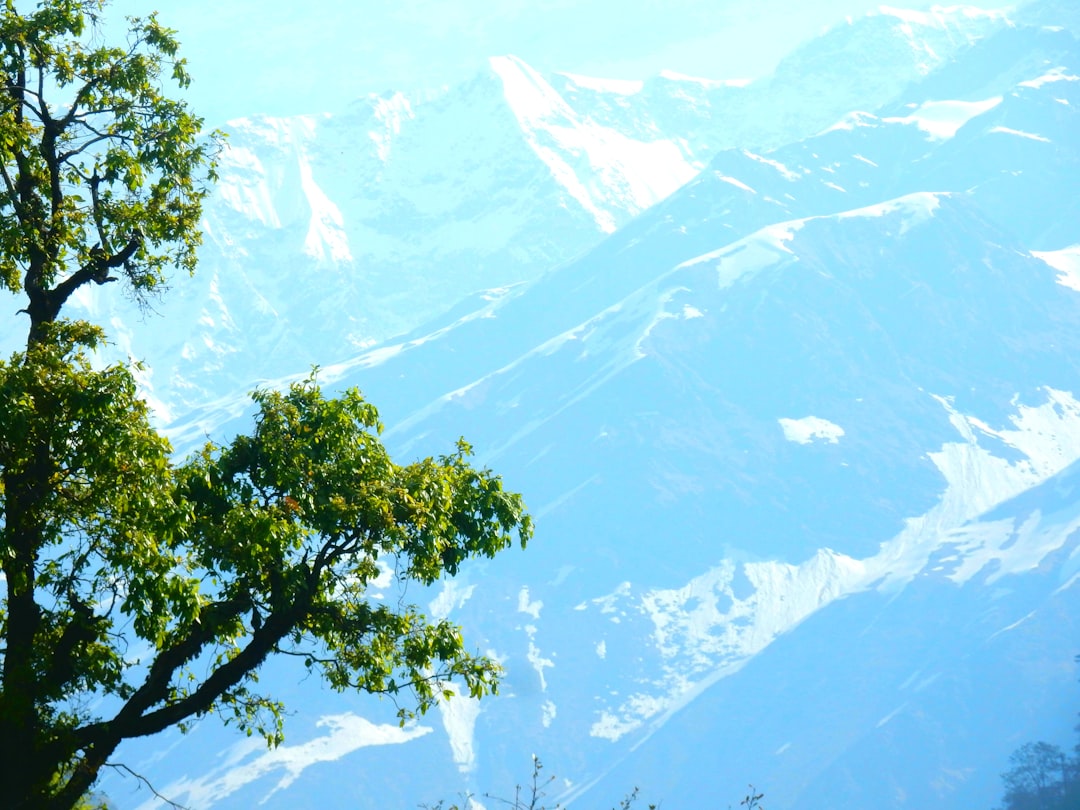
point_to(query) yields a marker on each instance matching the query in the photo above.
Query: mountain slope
(328, 233)
(801, 441)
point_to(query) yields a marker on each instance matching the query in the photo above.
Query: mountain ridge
(801, 441)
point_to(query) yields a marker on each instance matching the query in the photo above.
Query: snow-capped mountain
(328, 233)
(801, 439)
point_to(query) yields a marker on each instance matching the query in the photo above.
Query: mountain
(802, 440)
(329, 233)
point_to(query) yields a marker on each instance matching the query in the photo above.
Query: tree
(108, 546)
(1037, 778)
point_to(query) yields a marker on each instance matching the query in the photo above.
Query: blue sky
(252, 56)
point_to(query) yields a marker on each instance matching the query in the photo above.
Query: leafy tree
(1042, 777)
(140, 593)
(1036, 780)
(101, 172)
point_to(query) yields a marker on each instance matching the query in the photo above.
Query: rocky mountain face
(329, 233)
(802, 437)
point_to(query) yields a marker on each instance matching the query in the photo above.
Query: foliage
(1041, 777)
(266, 545)
(140, 593)
(100, 171)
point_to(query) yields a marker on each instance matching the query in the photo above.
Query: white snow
(914, 209)
(532, 608)
(941, 120)
(852, 121)
(548, 713)
(890, 715)
(1066, 261)
(536, 658)
(579, 152)
(454, 594)
(750, 255)
(809, 428)
(784, 171)
(732, 181)
(459, 715)
(1048, 439)
(1058, 74)
(1021, 134)
(607, 603)
(704, 631)
(632, 713)
(1011, 549)
(390, 113)
(243, 763)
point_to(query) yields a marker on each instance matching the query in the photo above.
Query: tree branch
(120, 766)
(96, 270)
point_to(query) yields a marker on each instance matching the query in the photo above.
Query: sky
(251, 56)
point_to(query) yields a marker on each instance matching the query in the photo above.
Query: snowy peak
(439, 192)
(968, 21)
(801, 439)
(872, 382)
(879, 54)
(606, 172)
(531, 98)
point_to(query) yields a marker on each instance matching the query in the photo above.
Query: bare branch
(120, 766)
(64, 157)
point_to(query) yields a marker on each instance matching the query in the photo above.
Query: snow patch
(704, 631)
(1048, 439)
(603, 170)
(537, 660)
(784, 171)
(709, 628)
(913, 209)
(1058, 74)
(548, 713)
(890, 715)
(733, 182)
(459, 715)
(941, 120)
(851, 121)
(749, 256)
(390, 113)
(454, 594)
(805, 430)
(1020, 134)
(525, 606)
(1066, 261)
(243, 764)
